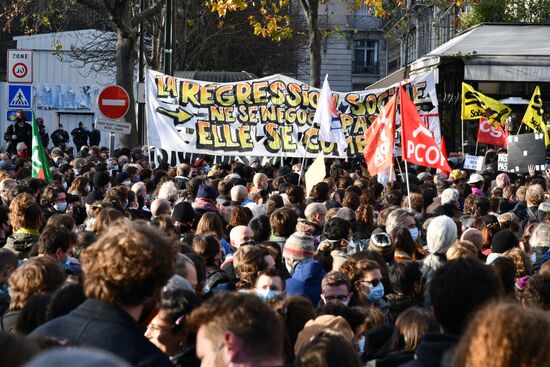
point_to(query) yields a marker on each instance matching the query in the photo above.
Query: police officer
(60, 137)
(80, 136)
(94, 136)
(43, 134)
(19, 132)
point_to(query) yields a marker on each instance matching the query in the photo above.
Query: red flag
(417, 142)
(443, 147)
(380, 139)
(488, 134)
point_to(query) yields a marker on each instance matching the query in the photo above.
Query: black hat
(183, 212)
(121, 177)
(101, 179)
(284, 171)
(93, 196)
(503, 241)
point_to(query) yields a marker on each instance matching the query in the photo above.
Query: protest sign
(270, 117)
(525, 150)
(502, 163)
(474, 162)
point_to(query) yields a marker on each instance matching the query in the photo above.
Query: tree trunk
(126, 61)
(312, 16)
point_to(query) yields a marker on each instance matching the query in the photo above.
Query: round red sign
(113, 102)
(20, 70)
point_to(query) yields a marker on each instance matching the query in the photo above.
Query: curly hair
(50, 194)
(521, 261)
(38, 275)
(240, 216)
(105, 218)
(128, 263)
(25, 212)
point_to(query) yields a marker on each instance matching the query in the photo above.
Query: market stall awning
(496, 52)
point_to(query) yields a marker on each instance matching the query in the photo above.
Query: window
(366, 57)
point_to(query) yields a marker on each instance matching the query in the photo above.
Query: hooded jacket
(21, 243)
(306, 281)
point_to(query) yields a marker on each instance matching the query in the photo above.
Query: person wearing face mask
(19, 132)
(306, 273)
(336, 287)
(59, 136)
(57, 242)
(120, 296)
(366, 283)
(270, 284)
(22, 151)
(53, 200)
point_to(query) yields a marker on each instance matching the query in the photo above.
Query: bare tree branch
(95, 5)
(147, 13)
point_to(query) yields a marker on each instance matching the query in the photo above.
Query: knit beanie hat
(207, 192)
(503, 241)
(381, 243)
(299, 247)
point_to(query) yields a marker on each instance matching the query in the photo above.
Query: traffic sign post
(113, 126)
(113, 102)
(20, 96)
(19, 67)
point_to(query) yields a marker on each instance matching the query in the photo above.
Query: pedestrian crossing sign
(20, 96)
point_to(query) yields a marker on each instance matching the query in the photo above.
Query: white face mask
(65, 185)
(289, 268)
(88, 188)
(127, 183)
(60, 207)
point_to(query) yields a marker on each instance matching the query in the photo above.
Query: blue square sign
(20, 96)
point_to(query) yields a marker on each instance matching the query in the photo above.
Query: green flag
(40, 166)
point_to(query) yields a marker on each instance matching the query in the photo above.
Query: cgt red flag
(380, 139)
(488, 134)
(417, 142)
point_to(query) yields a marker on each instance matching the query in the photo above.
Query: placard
(525, 150)
(113, 126)
(474, 162)
(502, 163)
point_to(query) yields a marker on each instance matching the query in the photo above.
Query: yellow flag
(316, 172)
(534, 116)
(476, 105)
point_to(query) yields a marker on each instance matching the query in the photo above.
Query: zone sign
(19, 66)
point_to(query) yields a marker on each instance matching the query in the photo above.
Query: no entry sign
(113, 102)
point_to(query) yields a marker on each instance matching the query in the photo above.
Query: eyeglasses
(335, 298)
(372, 283)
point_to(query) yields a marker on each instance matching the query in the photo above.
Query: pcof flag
(330, 126)
(534, 116)
(476, 105)
(40, 165)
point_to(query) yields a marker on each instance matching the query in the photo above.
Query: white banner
(269, 117)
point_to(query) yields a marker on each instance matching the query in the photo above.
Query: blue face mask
(67, 263)
(267, 294)
(414, 233)
(376, 293)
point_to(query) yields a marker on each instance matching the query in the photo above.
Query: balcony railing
(365, 69)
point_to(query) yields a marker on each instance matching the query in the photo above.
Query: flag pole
(462, 132)
(408, 186)
(477, 142)
(308, 132)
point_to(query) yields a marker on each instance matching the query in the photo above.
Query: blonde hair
(462, 249)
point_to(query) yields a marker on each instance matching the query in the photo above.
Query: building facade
(353, 47)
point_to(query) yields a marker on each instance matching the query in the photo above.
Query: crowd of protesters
(118, 262)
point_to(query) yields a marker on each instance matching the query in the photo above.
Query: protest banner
(502, 162)
(269, 117)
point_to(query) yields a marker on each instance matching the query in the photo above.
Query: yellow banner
(476, 105)
(534, 116)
